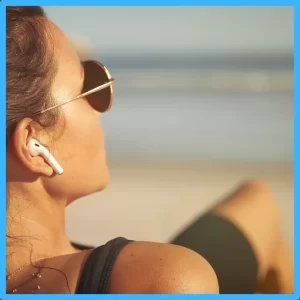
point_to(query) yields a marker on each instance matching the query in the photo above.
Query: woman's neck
(35, 225)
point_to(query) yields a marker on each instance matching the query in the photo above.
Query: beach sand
(153, 201)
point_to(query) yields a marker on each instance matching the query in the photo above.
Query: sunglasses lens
(94, 76)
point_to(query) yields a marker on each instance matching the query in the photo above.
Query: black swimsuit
(219, 241)
(98, 266)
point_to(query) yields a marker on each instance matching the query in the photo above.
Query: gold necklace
(37, 275)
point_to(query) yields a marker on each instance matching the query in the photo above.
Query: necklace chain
(37, 275)
(8, 277)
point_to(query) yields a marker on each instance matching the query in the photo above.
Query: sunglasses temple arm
(97, 89)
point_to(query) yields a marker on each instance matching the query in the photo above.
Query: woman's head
(43, 70)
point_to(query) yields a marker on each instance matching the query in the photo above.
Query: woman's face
(78, 141)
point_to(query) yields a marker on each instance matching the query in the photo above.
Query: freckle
(161, 259)
(131, 254)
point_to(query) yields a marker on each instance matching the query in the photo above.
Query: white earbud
(35, 149)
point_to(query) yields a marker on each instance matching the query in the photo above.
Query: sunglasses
(97, 88)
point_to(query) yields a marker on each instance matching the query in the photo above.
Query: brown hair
(30, 67)
(30, 70)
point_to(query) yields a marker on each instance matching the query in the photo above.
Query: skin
(37, 198)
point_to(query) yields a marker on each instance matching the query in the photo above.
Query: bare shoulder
(155, 268)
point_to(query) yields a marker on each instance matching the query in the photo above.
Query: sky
(180, 30)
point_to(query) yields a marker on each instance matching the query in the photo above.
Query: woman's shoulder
(134, 267)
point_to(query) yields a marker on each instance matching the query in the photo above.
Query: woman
(43, 74)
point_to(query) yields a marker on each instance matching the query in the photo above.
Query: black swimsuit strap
(98, 266)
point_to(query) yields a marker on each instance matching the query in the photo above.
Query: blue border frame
(294, 3)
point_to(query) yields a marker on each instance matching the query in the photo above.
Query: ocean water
(153, 124)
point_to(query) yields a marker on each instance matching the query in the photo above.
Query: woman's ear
(25, 130)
